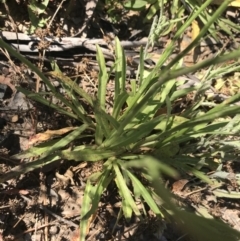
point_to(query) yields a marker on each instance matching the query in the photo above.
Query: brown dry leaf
(24, 192)
(15, 191)
(75, 235)
(232, 217)
(7, 81)
(49, 134)
(178, 186)
(91, 220)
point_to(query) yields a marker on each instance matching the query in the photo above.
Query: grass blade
(72, 85)
(39, 98)
(102, 79)
(35, 151)
(129, 204)
(58, 144)
(120, 94)
(145, 194)
(89, 154)
(27, 167)
(85, 211)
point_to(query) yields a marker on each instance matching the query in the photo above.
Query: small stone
(14, 118)
(53, 230)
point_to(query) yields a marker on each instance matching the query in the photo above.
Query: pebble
(53, 230)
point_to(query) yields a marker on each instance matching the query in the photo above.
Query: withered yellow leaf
(195, 29)
(233, 3)
(49, 134)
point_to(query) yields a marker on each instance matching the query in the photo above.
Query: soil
(45, 204)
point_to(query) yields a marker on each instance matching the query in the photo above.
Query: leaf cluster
(35, 11)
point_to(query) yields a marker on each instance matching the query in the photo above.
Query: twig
(11, 19)
(181, 237)
(19, 220)
(42, 56)
(43, 191)
(33, 229)
(54, 15)
(195, 191)
(89, 10)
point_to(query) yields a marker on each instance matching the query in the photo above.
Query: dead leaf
(75, 235)
(7, 81)
(178, 186)
(49, 134)
(15, 191)
(233, 3)
(23, 192)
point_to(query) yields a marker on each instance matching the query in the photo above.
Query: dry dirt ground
(45, 204)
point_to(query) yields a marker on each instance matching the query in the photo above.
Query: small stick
(54, 15)
(33, 229)
(11, 19)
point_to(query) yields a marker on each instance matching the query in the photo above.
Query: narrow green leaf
(29, 166)
(134, 134)
(102, 79)
(226, 194)
(119, 102)
(203, 31)
(101, 185)
(86, 211)
(166, 88)
(179, 93)
(145, 194)
(141, 67)
(135, 5)
(126, 207)
(91, 200)
(103, 124)
(202, 176)
(77, 106)
(67, 139)
(234, 144)
(111, 120)
(100, 127)
(36, 151)
(193, 224)
(120, 67)
(197, 123)
(39, 98)
(153, 165)
(52, 145)
(128, 202)
(152, 11)
(213, 229)
(72, 85)
(89, 154)
(120, 79)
